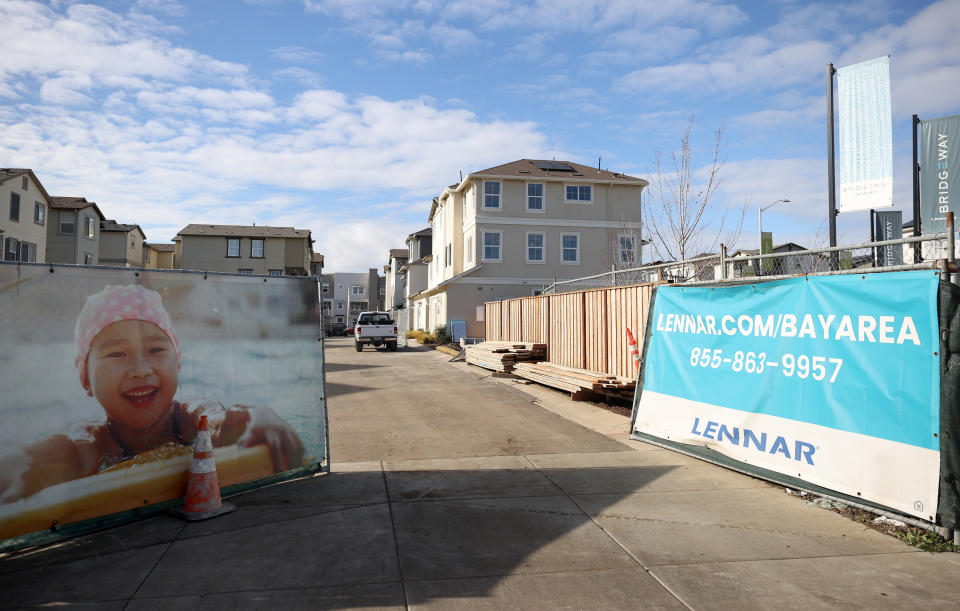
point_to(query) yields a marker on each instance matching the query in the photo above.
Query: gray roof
(398, 253)
(74, 203)
(527, 168)
(112, 225)
(244, 231)
(162, 247)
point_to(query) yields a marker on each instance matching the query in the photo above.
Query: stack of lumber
(502, 357)
(576, 381)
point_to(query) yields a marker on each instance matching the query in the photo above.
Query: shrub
(442, 335)
(412, 334)
(427, 338)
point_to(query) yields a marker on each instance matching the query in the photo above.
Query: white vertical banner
(866, 136)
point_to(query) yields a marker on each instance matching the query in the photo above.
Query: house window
(340, 306)
(535, 243)
(579, 193)
(24, 184)
(383, 291)
(233, 247)
(356, 290)
(39, 213)
(326, 288)
(535, 197)
(12, 250)
(68, 222)
(89, 222)
(87, 258)
(15, 207)
(627, 252)
(133, 241)
(449, 255)
(276, 272)
(469, 250)
(491, 194)
(245, 272)
(491, 245)
(570, 248)
(256, 248)
(28, 252)
(146, 255)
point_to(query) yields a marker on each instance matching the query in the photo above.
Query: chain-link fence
(904, 253)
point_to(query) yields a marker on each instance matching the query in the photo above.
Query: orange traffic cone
(203, 489)
(634, 353)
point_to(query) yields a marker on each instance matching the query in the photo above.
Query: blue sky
(346, 116)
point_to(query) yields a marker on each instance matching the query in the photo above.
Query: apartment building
(395, 290)
(344, 295)
(240, 249)
(73, 231)
(24, 206)
(121, 245)
(510, 230)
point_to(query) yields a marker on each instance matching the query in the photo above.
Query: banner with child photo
(106, 373)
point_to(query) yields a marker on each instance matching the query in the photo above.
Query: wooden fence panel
(491, 321)
(567, 330)
(595, 325)
(536, 320)
(627, 310)
(516, 319)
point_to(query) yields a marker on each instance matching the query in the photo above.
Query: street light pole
(760, 232)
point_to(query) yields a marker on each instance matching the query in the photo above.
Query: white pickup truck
(375, 328)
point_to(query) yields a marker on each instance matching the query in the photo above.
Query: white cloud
(295, 55)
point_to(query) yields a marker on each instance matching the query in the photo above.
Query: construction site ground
(452, 489)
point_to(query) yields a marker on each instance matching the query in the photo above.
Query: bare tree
(686, 218)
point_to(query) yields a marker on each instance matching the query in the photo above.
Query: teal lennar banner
(865, 139)
(832, 379)
(939, 172)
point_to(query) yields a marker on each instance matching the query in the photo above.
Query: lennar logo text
(732, 435)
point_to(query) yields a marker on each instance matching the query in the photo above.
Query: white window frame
(39, 213)
(253, 243)
(620, 248)
(339, 306)
(326, 289)
(229, 243)
(354, 290)
(499, 246)
(566, 234)
(543, 247)
(543, 198)
(579, 200)
(245, 271)
(73, 223)
(90, 230)
(468, 249)
(499, 195)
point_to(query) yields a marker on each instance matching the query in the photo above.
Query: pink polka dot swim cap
(113, 304)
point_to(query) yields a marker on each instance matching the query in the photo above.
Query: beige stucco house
(510, 230)
(24, 206)
(73, 231)
(158, 256)
(121, 245)
(240, 249)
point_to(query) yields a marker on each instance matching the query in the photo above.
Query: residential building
(395, 294)
(121, 245)
(413, 275)
(239, 249)
(316, 264)
(158, 256)
(510, 230)
(73, 231)
(345, 294)
(24, 207)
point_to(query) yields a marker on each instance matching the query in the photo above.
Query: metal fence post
(723, 262)
(951, 246)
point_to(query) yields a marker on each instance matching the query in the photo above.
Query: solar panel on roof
(553, 166)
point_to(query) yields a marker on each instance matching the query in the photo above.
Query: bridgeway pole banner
(889, 226)
(866, 136)
(834, 380)
(939, 172)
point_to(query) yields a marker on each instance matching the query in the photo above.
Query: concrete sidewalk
(450, 489)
